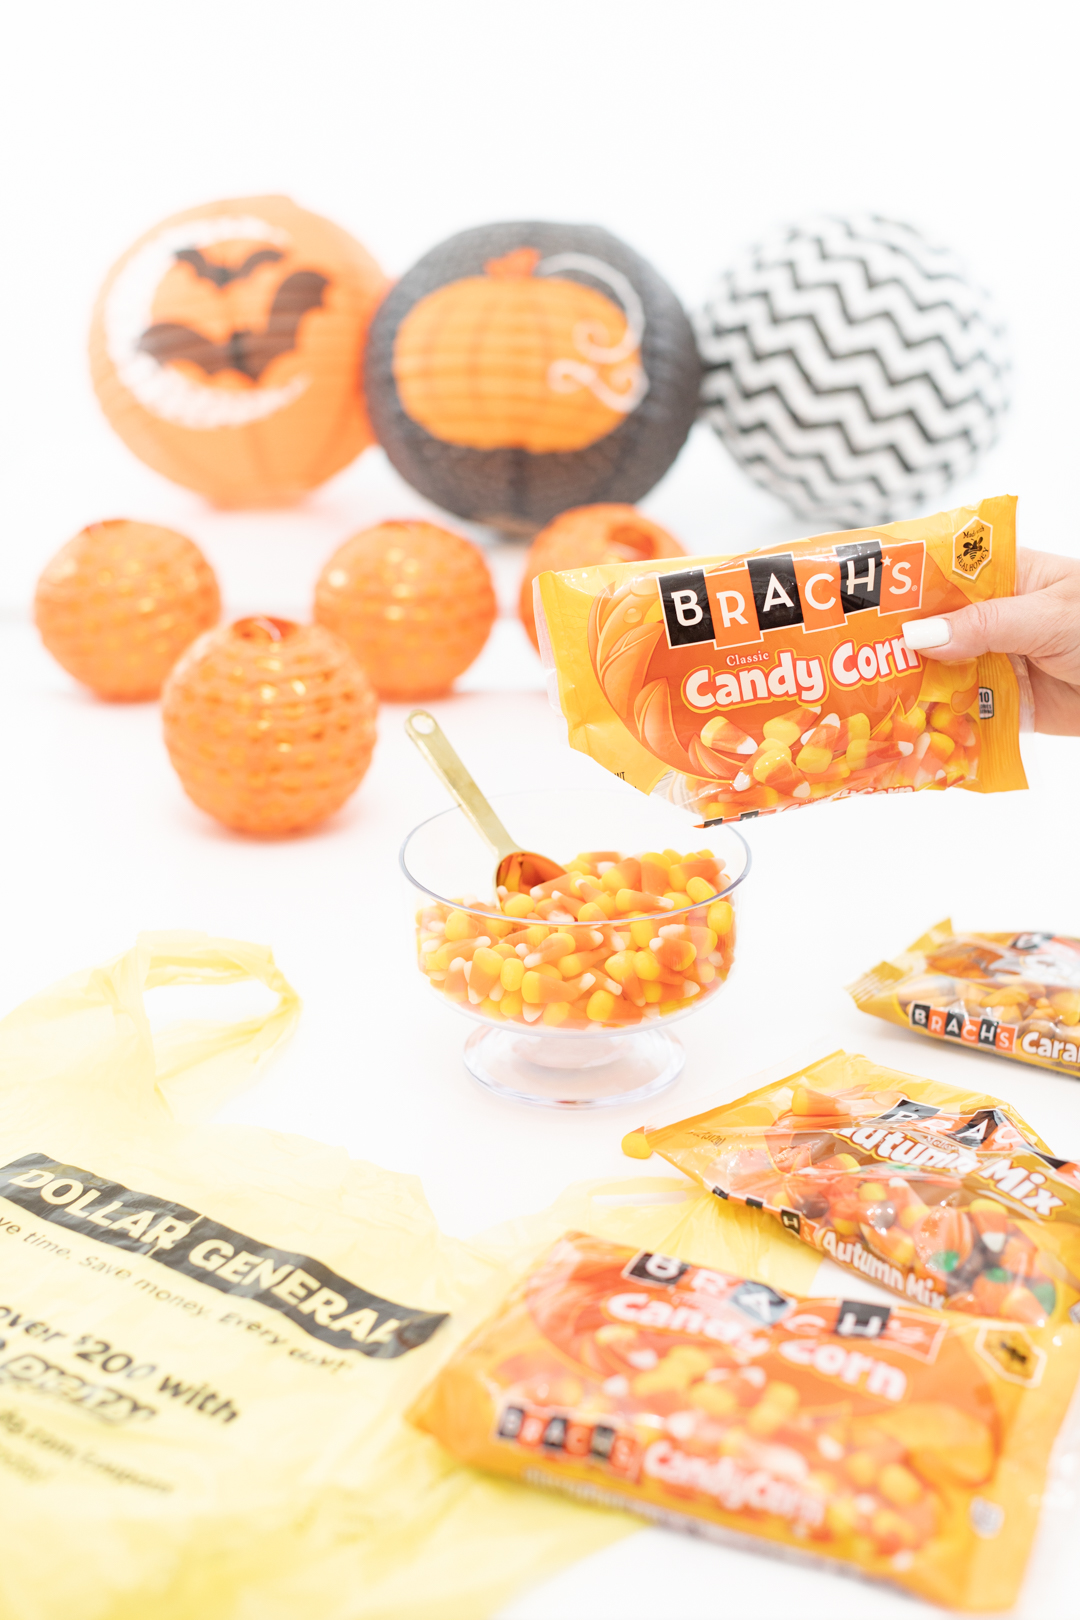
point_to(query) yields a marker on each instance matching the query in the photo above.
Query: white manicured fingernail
(921, 633)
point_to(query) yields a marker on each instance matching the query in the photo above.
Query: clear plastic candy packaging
(946, 1197)
(900, 1442)
(1014, 994)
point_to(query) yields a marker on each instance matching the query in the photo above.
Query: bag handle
(200, 1062)
(91, 1034)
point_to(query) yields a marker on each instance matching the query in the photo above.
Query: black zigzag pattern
(852, 368)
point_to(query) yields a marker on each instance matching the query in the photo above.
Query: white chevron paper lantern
(852, 368)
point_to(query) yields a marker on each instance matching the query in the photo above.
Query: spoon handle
(429, 737)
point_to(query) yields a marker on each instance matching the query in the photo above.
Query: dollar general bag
(1014, 994)
(208, 1334)
(945, 1197)
(741, 684)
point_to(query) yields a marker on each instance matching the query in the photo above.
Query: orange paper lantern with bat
(226, 349)
(587, 535)
(118, 604)
(520, 369)
(270, 725)
(413, 601)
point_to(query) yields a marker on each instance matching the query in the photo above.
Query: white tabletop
(99, 843)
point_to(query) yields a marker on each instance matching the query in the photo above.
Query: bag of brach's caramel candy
(1015, 994)
(736, 685)
(907, 1444)
(946, 1197)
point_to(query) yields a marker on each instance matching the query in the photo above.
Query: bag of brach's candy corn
(904, 1443)
(736, 685)
(946, 1197)
(1014, 994)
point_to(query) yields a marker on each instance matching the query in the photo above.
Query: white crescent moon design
(159, 389)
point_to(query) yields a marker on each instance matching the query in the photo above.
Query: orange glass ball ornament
(118, 604)
(269, 724)
(414, 602)
(587, 535)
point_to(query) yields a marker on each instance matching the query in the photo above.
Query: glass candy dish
(575, 1010)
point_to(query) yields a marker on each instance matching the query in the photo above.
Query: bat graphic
(246, 352)
(222, 274)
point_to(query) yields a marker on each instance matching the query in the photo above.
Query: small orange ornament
(118, 604)
(269, 724)
(587, 535)
(414, 602)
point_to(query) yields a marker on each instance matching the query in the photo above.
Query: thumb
(1007, 624)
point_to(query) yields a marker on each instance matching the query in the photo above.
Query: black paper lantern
(520, 369)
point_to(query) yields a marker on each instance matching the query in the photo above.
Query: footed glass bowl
(574, 986)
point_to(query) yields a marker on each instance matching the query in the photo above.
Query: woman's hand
(1041, 622)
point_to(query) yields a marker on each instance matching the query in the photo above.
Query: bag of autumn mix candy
(1015, 994)
(906, 1444)
(943, 1196)
(740, 684)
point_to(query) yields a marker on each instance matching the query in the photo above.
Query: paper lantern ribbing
(414, 602)
(520, 369)
(226, 349)
(587, 535)
(852, 368)
(269, 724)
(118, 604)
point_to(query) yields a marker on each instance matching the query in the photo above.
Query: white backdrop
(687, 129)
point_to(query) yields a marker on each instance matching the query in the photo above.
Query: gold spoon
(518, 869)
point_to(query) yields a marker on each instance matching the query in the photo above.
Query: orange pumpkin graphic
(587, 535)
(521, 369)
(226, 348)
(520, 360)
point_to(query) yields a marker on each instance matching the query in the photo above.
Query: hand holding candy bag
(742, 684)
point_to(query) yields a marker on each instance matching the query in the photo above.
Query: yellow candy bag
(906, 1444)
(945, 1197)
(209, 1334)
(1014, 994)
(741, 684)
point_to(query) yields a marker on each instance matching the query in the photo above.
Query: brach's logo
(734, 606)
(301, 1288)
(953, 1025)
(561, 1433)
(957, 1026)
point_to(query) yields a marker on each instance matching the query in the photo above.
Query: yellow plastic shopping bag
(208, 1334)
